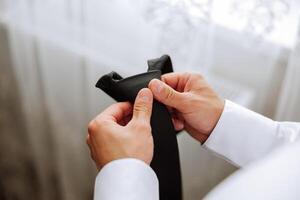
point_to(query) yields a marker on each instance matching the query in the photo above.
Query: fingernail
(145, 98)
(158, 86)
(144, 95)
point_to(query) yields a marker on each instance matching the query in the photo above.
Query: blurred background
(53, 52)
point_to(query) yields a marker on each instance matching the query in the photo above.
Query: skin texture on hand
(122, 131)
(193, 104)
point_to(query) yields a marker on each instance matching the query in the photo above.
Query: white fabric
(242, 137)
(129, 179)
(276, 177)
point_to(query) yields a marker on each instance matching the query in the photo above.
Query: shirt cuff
(241, 135)
(126, 179)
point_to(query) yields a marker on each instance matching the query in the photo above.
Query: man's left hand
(122, 131)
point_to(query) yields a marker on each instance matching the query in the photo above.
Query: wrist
(217, 111)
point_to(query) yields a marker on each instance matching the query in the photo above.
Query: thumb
(142, 109)
(165, 94)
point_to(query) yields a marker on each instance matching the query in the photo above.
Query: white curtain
(59, 48)
(288, 108)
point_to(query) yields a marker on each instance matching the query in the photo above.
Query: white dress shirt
(270, 164)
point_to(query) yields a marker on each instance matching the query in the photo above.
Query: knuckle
(186, 74)
(141, 107)
(198, 76)
(95, 125)
(169, 94)
(92, 127)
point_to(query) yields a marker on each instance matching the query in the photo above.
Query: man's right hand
(194, 105)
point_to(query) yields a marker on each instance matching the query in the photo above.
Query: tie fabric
(165, 161)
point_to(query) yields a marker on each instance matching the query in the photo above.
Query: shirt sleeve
(126, 179)
(242, 136)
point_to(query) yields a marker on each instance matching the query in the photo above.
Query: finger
(178, 124)
(172, 79)
(176, 80)
(117, 111)
(166, 94)
(142, 109)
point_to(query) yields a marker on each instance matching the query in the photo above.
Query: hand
(193, 104)
(114, 134)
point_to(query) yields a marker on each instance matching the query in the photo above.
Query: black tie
(165, 162)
